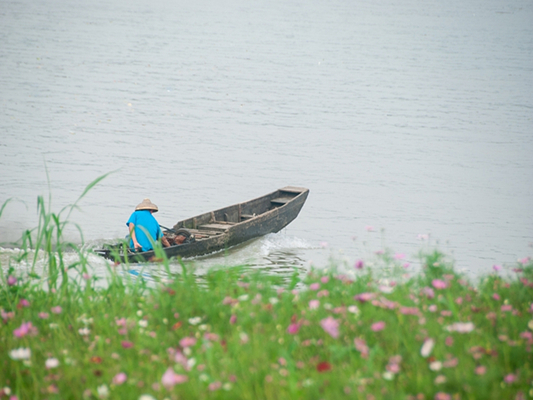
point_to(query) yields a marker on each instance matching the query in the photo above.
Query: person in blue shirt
(143, 225)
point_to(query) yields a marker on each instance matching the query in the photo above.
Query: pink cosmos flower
(170, 378)
(496, 267)
(215, 386)
(120, 378)
(23, 303)
(11, 280)
(233, 319)
(442, 396)
(439, 284)
(324, 279)
(322, 293)
(43, 315)
(25, 329)
(369, 228)
(331, 326)
(448, 341)
(126, 344)
(507, 307)
(359, 264)
(360, 346)
(56, 310)
(496, 296)
(399, 256)
(409, 311)
(187, 342)
(293, 329)
(510, 378)
(179, 358)
(364, 297)
(314, 304)
(428, 292)
(314, 286)
(378, 326)
(480, 370)
(432, 308)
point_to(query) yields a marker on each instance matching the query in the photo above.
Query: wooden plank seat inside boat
(281, 201)
(217, 226)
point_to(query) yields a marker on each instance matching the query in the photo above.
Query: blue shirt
(144, 219)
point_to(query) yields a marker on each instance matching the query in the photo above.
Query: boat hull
(224, 228)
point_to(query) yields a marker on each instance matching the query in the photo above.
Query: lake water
(410, 117)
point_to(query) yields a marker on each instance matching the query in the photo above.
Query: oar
(168, 229)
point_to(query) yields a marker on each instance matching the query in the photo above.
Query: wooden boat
(224, 228)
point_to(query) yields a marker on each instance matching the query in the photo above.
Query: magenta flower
(496, 267)
(378, 326)
(331, 326)
(11, 280)
(120, 378)
(23, 303)
(187, 342)
(233, 319)
(56, 310)
(126, 344)
(170, 378)
(510, 378)
(25, 329)
(439, 284)
(496, 296)
(359, 264)
(293, 329)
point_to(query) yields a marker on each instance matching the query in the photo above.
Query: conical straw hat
(146, 205)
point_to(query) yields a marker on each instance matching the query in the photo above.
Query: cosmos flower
(427, 347)
(51, 363)
(439, 284)
(20, 354)
(460, 327)
(170, 378)
(187, 342)
(331, 326)
(314, 304)
(120, 378)
(293, 329)
(378, 326)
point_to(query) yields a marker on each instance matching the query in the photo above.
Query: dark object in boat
(223, 228)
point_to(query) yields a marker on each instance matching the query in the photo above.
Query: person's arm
(136, 244)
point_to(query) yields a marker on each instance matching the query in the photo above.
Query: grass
(240, 334)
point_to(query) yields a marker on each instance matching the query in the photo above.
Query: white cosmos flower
(84, 331)
(427, 347)
(143, 323)
(103, 391)
(51, 363)
(20, 354)
(461, 327)
(195, 320)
